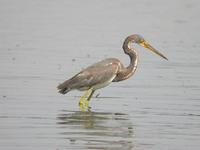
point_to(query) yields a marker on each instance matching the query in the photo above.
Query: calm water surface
(44, 42)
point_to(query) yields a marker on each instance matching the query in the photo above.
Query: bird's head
(138, 39)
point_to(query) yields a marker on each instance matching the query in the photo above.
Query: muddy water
(44, 42)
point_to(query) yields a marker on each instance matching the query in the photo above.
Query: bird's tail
(68, 85)
(63, 88)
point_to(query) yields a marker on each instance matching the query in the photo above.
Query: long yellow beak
(148, 46)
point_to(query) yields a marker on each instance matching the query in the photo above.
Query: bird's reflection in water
(96, 130)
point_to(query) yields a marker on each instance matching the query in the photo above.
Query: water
(44, 42)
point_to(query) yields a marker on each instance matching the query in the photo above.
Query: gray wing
(95, 74)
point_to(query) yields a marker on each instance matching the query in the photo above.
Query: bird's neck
(128, 71)
(131, 68)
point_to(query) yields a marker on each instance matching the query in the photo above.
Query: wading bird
(102, 73)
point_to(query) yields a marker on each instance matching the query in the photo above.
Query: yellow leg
(83, 102)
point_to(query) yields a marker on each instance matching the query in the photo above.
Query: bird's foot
(83, 104)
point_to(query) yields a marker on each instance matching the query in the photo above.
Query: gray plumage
(109, 70)
(97, 76)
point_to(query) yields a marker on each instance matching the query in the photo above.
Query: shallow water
(44, 42)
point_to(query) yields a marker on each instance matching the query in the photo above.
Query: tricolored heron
(101, 74)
